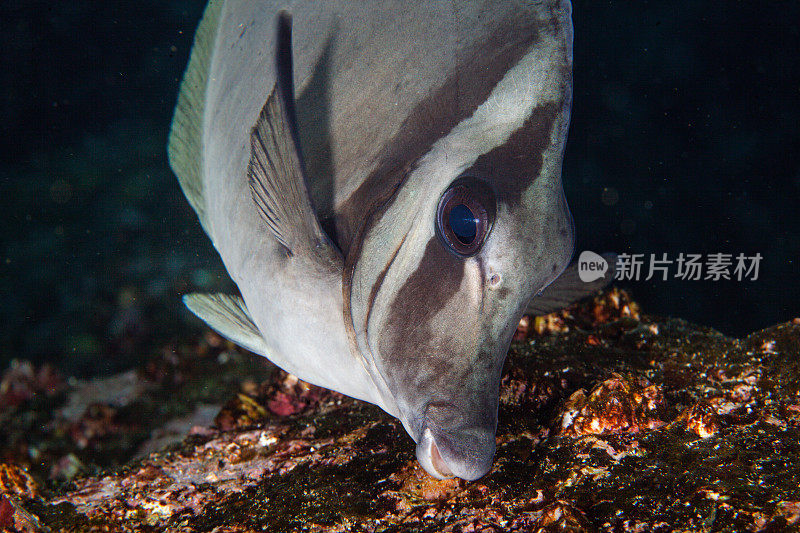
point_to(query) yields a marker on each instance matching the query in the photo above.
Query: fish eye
(465, 216)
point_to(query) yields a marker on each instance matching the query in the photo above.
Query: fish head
(438, 311)
(443, 267)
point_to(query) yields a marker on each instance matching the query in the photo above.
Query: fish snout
(464, 453)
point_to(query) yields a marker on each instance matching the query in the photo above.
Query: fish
(382, 181)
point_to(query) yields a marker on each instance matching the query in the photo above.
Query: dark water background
(684, 138)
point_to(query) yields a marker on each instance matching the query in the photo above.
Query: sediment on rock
(610, 420)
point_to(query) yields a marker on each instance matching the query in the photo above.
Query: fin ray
(276, 171)
(185, 144)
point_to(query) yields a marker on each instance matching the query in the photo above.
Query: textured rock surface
(610, 421)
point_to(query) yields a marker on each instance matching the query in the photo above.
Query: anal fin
(228, 316)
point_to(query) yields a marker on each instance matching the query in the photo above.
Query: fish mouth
(467, 455)
(429, 457)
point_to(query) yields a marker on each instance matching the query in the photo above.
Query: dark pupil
(463, 223)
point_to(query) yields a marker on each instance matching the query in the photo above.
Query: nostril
(438, 462)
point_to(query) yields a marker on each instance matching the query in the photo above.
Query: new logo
(591, 266)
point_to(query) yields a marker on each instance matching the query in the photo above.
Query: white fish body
(406, 114)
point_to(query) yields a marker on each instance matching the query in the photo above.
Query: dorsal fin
(276, 170)
(228, 316)
(185, 145)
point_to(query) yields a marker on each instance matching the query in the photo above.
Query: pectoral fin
(568, 288)
(228, 316)
(276, 171)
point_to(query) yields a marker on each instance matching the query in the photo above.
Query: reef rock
(609, 421)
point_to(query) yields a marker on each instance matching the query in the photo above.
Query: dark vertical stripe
(379, 282)
(408, 343)
(479, 69)
(515, 164)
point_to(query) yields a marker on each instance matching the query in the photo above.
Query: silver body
(395, 100)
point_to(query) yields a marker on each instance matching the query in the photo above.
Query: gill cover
(443, 265)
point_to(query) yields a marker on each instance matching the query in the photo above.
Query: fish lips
(447, 450)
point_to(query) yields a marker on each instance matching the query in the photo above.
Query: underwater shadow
(313, 121)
